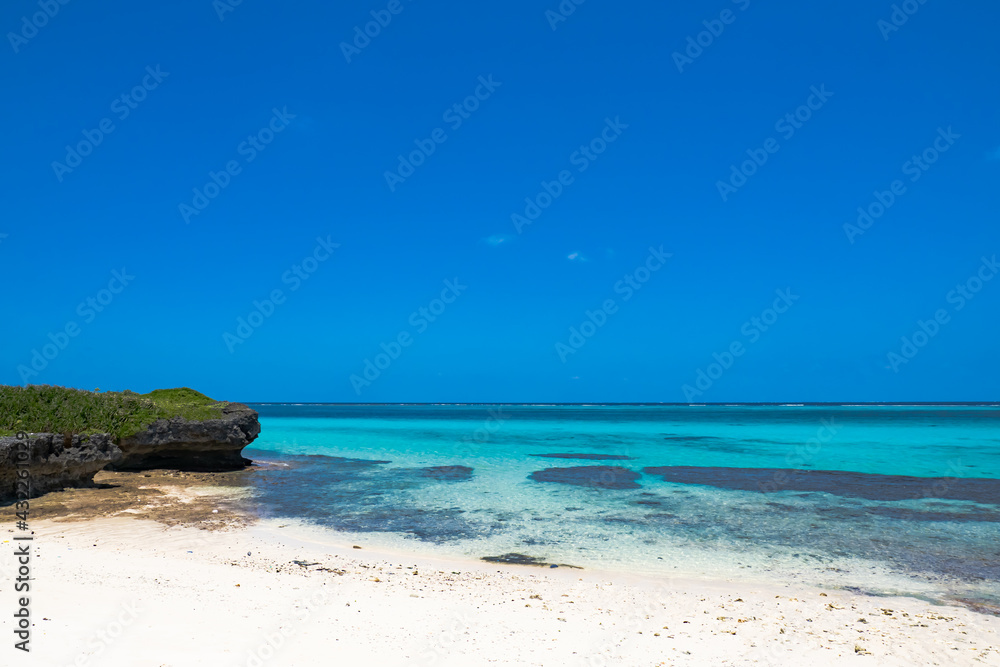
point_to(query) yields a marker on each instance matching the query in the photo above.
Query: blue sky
(257, 149)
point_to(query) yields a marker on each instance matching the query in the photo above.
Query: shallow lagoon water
(890, 500)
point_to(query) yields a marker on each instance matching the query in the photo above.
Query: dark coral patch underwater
(595, 477)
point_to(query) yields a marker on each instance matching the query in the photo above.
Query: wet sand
(175, 569)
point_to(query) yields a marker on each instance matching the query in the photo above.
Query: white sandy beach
(132, 592)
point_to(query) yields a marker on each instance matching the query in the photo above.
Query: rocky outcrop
(181, 444)
(53, 461)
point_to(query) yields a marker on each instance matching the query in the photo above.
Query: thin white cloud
(498, 240)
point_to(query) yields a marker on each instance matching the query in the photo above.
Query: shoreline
(177, 584)
(224, 500)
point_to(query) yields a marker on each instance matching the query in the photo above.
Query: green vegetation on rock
(186, 403)
(49, 409)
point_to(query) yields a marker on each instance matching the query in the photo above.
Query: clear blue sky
(607, 79)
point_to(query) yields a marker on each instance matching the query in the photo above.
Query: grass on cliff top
(49, 409)
(186, 403)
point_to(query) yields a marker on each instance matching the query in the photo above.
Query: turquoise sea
(880, 499)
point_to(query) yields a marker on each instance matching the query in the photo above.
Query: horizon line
(707, 404)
